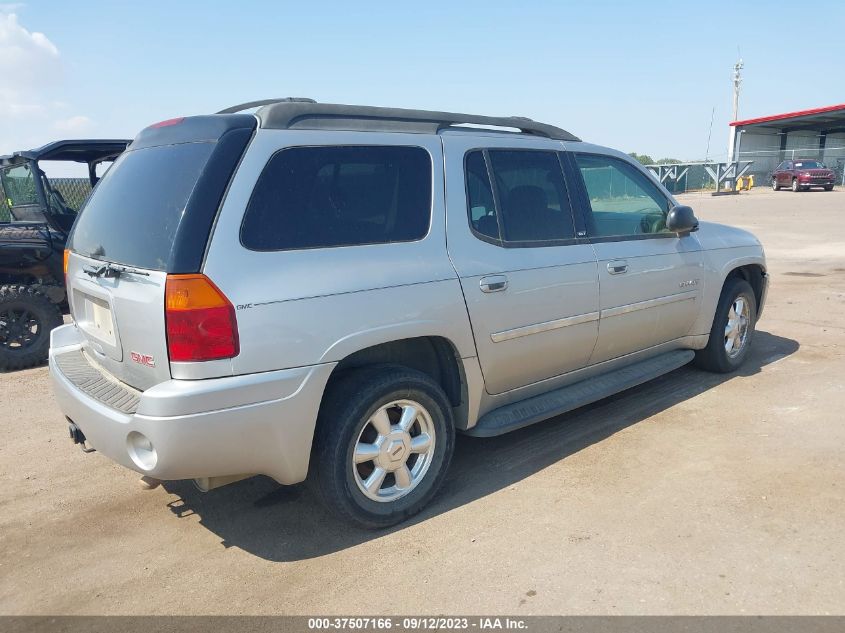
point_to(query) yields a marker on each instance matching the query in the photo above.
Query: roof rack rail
(306, 114)
(263, 102)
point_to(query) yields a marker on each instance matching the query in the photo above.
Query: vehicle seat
(527, 214)
(487, 225)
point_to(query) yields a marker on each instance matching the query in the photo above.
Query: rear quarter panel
(305, 307)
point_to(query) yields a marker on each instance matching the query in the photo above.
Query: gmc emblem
(142, 359)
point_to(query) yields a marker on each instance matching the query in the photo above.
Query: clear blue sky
(640, 76)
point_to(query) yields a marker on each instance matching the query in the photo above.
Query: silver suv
(332, 292)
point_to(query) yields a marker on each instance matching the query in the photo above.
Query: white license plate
(101, 322)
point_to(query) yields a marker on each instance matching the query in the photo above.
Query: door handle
(493, 283)
(618, 267)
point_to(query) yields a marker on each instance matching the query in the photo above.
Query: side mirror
(681, 220)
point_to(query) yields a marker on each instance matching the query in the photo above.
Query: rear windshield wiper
(111, 271)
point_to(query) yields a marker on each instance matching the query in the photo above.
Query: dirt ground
(694, 494)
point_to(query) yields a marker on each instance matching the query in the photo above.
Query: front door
(529, 284)
(650, 279)
(784, 174)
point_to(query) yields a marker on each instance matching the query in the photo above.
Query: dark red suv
(800, 175)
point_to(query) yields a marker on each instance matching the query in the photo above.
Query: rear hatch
(149, 216)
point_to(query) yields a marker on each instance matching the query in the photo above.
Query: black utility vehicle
(36, 215)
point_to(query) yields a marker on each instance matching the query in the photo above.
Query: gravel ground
(694, 494)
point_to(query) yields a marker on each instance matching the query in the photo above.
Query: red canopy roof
(790, 115)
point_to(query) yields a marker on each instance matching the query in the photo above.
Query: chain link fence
(74, 192)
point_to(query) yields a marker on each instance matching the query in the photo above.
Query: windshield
(808, 164)
(132, 216)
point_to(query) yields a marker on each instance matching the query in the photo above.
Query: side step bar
(532, 410)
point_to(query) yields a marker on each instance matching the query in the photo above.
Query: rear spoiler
(193, 129)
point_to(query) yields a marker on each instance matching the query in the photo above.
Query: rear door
(149, 215)
(529, 284)
(649, 278)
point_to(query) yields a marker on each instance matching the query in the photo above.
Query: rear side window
(318, 197)
(532, 204)
(137, 206)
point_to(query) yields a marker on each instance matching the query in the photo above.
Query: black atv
(36, 215)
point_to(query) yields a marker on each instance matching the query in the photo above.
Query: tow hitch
(77, 436)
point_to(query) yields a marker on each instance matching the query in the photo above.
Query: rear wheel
(732, 330)
(775, 185)
(384, 440)
(26, 318)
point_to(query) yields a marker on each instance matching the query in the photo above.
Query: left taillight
(201, 323)
(65, 259)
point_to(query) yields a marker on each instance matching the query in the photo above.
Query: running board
(532, 410)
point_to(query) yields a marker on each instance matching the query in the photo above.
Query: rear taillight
(201, 322)
(64, 264)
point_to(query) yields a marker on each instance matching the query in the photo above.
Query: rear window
(316, 197)
(136, 208)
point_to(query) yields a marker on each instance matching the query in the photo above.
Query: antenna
(710, 134)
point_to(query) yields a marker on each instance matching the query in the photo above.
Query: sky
(640, 76)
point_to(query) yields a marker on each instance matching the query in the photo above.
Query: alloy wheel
(18, 329)
(736, 329)
(393, 451)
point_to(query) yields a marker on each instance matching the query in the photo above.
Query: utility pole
(737, 80)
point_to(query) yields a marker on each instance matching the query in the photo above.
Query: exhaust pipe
(77, 436)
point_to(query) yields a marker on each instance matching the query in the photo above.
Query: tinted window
(623, 200)
(136, 208)
(808, 164)
(312, 197)
(482, 208)
(533, 205)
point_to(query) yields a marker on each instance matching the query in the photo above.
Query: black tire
(775, 185)
(26, 318)
(795, 185)
(828, 187)
(715, 356)
(344, 416)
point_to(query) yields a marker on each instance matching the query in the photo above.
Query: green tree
(645, 159)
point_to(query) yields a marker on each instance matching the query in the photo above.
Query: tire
(795, 185)
(345, 422)
(775, 185)
(26, 318)
(828, 187)
(715, 356)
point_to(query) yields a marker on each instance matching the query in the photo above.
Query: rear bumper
(252, 424)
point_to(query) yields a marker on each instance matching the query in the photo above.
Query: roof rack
(263, 102)
(307, 114)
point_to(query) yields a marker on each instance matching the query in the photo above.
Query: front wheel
(732, 331)
(795, 185)
(828, 187)
(775, 185)
(384, 440)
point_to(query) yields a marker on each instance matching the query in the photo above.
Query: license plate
(101, 322)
